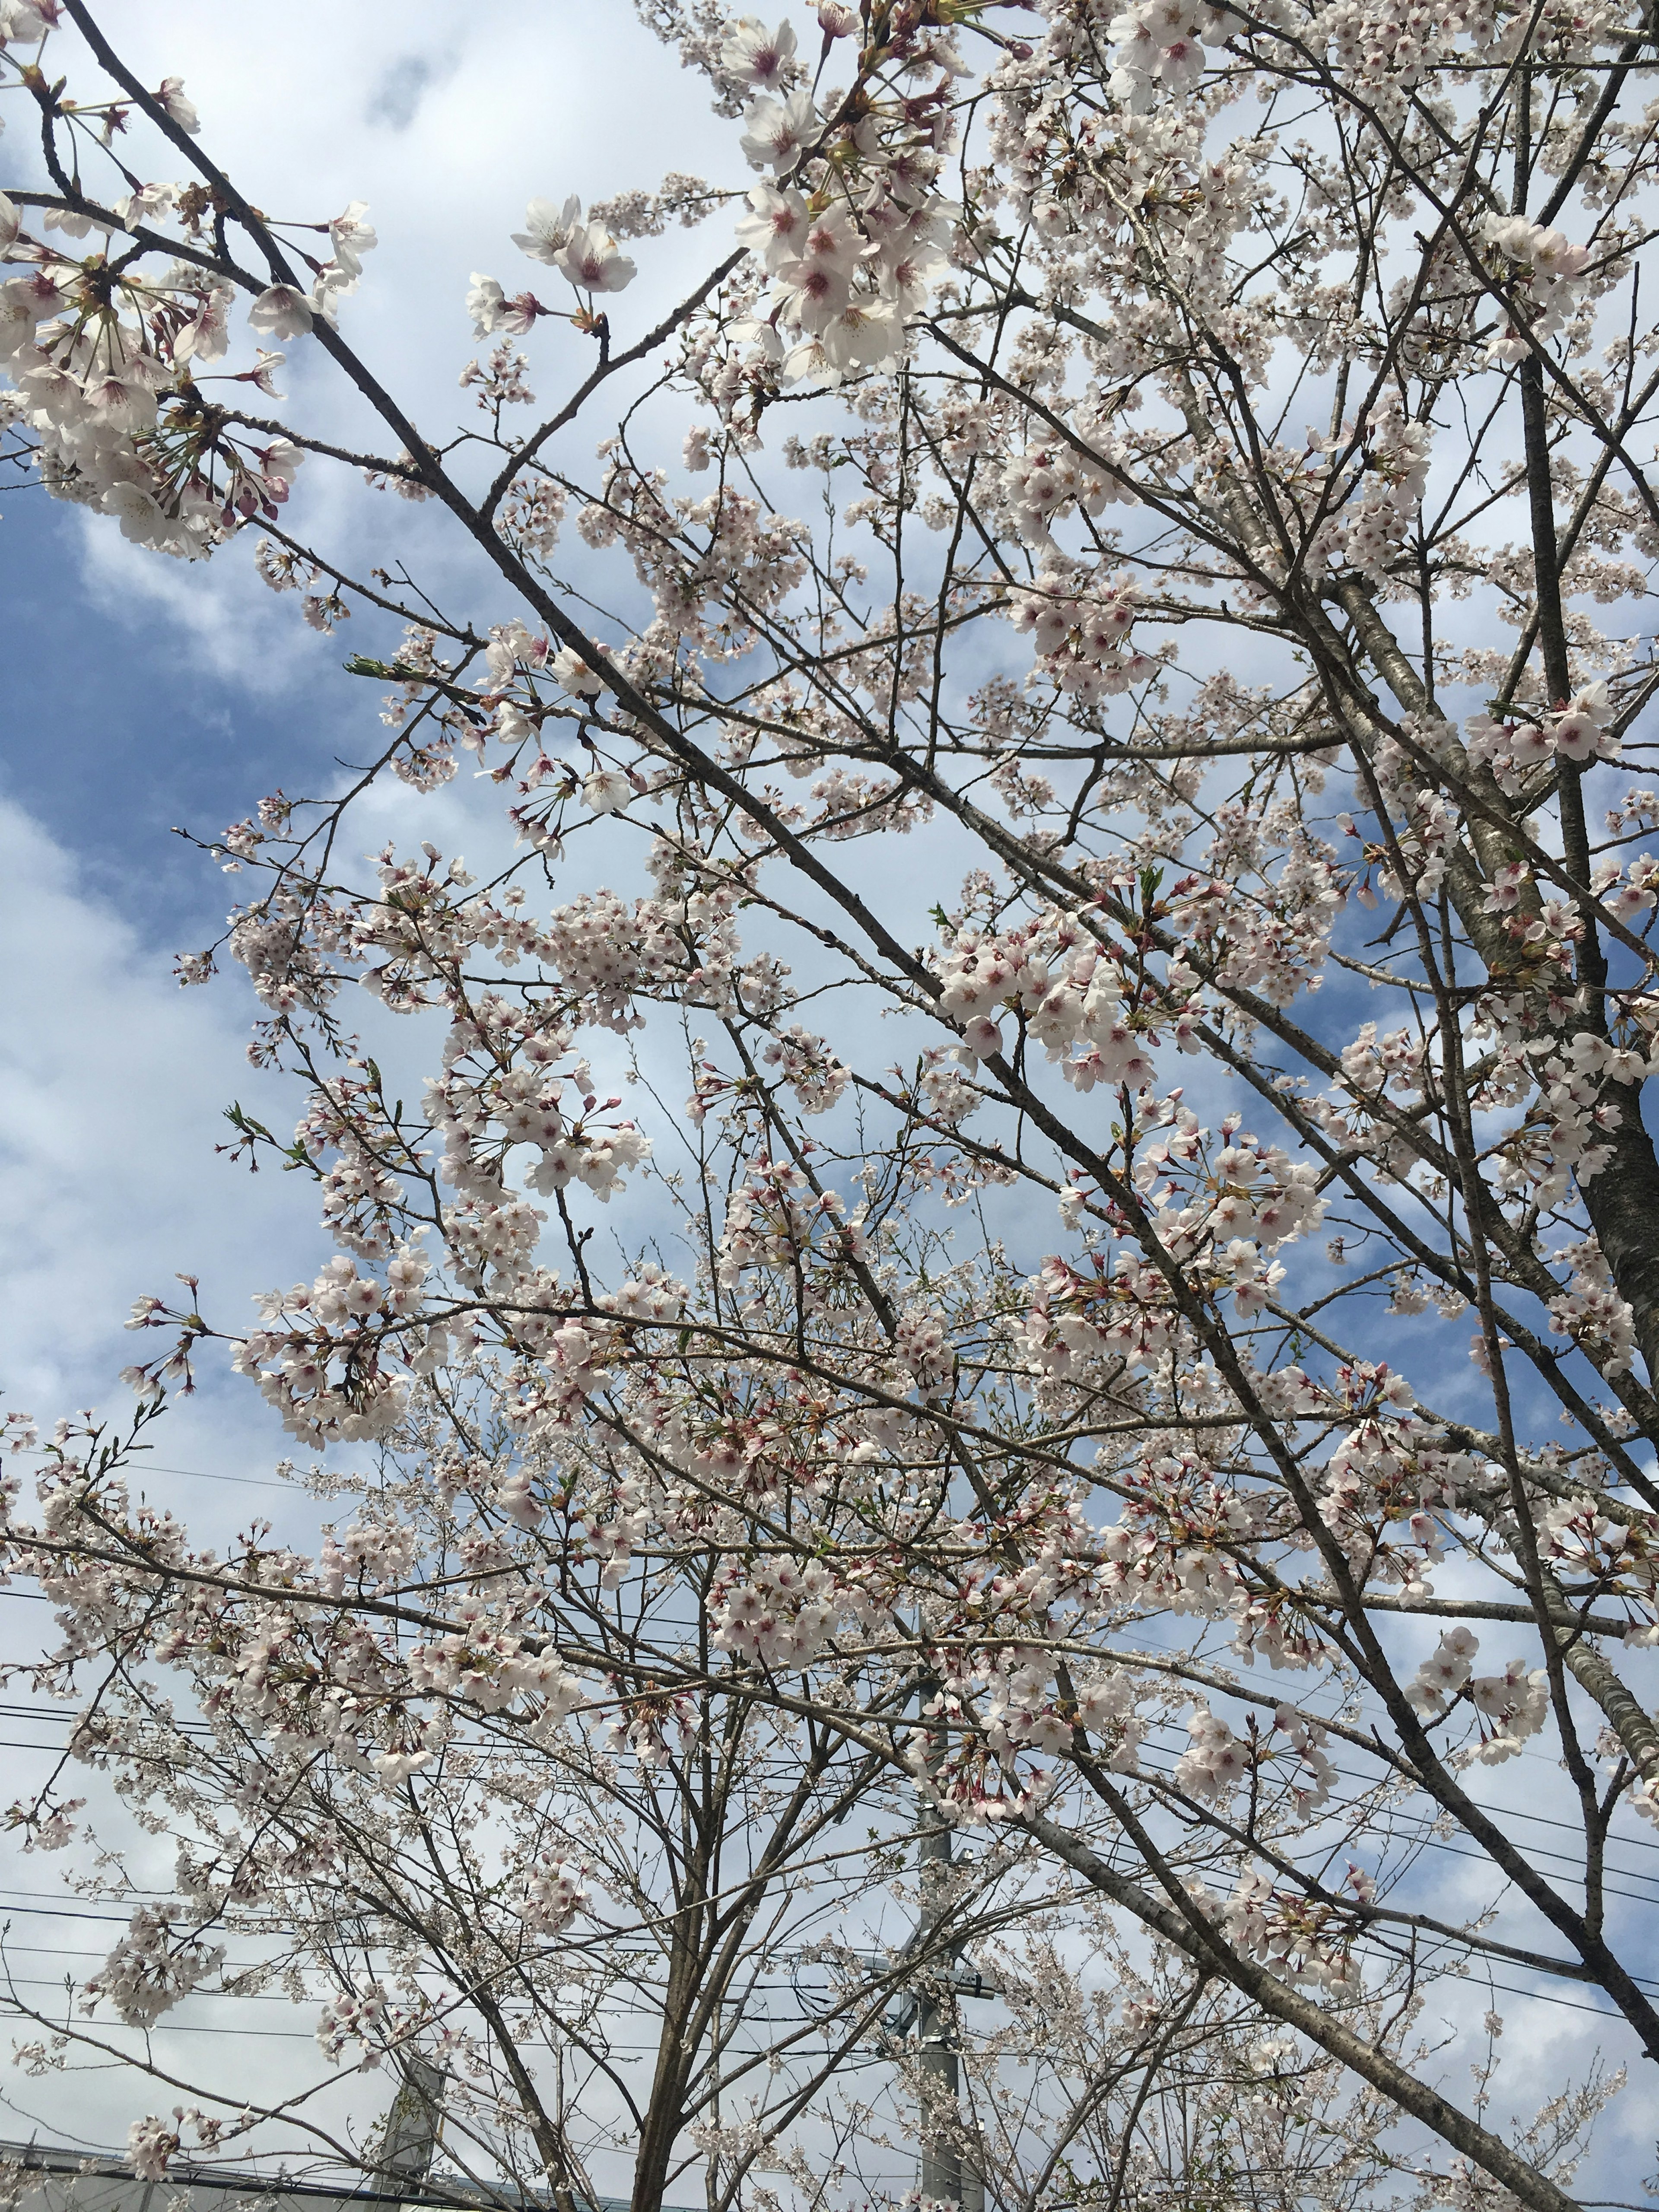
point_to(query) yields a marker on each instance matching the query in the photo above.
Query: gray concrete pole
(412, 2124)
(946, 2174)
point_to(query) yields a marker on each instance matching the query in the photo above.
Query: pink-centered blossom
(755, 56)
(592, 261)
(777, 132)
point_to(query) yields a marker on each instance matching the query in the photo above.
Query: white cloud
(112, 1085)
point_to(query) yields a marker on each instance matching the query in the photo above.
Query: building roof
(105, 2182)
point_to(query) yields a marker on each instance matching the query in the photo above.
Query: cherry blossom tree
(500, 1872)
(1181, 470)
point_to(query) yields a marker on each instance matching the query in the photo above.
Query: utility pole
(411, 2125)
(947, 2173)
(950, 2172)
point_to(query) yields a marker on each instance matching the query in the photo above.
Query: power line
(232, 1996)
(630, 2054)
(1418, 1842)
(60, 1913)
(202, 1474)
(1566, 2004)
(634, 2050)
(1400, 1816)
(49, 1715)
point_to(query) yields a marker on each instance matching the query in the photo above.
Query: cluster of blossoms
(476, 1097)
(1047, 483)
(108, 368)
(1572, 1091)
(1196, 1573)
(1368, 533)
(1614, 1550)
(1082, 636)
(1218, 1217)
(150, 1969)
(808, 1065)
(651, 1726)
(1546, 272)
(843, 276)
(1576, 1116)
(1512, 1706)
(1215, 1762)
(1159, 46)
(1516, 746)
(773, 1612)
(852, 233)
(775, 1223)
(351, 2016)
(555, 1893)
(1394, 1479)
(1075, 1323)
(1053, 972)
(583, 254)
(1246, 1190)
(490, 1667)
(328, 1376)
(1308, 1943)
(150, 2143)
